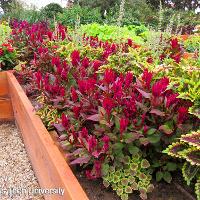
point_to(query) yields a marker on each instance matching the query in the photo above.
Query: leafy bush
(114, 33)
(20, 12)
(7, 56)
(192, 44)
(5, 31)
(51, 10)
(70, 16)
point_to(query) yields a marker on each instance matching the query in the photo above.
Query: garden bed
(47, 158)
(50, 167)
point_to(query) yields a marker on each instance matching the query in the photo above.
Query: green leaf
(171, 166)
(129, 137)
(159, 176)
(133, 149)
(118, 148)
(154, 138)
(105, 169)
(166, 129)
(167, 177)
(151, 131)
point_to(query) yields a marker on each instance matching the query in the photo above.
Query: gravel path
(17, 179)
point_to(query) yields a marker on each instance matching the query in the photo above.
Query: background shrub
(86, 15)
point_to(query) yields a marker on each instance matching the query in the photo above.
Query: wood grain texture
(6, 111)
(3, 84)
(48, 163)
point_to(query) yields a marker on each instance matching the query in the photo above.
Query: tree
(51, 10)
(102, 4)
(6, 5)
(177, 4)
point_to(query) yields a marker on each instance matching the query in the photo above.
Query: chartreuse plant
(188, 148)
(187, 84)
(5, 31)
(135, 61)
(114, 33)
(134, 176)
(192, 44)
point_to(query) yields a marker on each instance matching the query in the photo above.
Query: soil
(162, 191)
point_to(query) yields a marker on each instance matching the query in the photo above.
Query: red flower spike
(108, 104)
(174, 43)
(130, 42)
(65, 121)
(92, 143)
(160, 86)
(74, 95)
(128, 79)
(150, 60)
(84, 133)
(96, 64)
(123, 124)
(85, 62)
(182, 114)
(147, 77)
(75, 58)
(76, 111)
(109, 76)
(171, 99)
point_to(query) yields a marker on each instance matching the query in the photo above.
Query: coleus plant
(188, 148)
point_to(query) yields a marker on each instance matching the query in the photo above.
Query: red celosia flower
(74, 95)
(92, 143)
(174, 43)
(50, 35)
(109, 76)
(176, 57)
(75, 58)
(130, 42)
(85, 62)
(38, 76)
(55, 61)
(147, 77)
(162, 57)
(64, 74)
(160, 86)
(86, 86)
(65, 121)
(150, 60)
(182, 114)
(76, 111)
(108, 104)
(62, 91)
(84, 133)
(95, 172)
(10, 49)
(96, 64)
(171, 99)
(117, 89)
(123, 124)
(1, 52)
(128, 79)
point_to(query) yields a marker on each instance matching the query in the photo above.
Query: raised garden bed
(50, 167)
